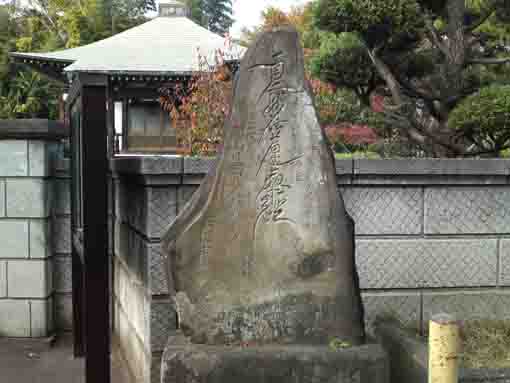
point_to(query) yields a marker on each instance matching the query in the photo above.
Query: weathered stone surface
(282, 364)
(264, 251)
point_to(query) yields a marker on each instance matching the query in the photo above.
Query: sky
(247, 12)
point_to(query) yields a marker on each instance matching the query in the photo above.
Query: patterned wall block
(151, 210)
(3, 279)
(504, 263)
(14, 318)
(61, 232)
(156, 369)
(157, 270)
(40, 238)
(162, 210)
(13, 158)
(63, 312)
(29, 279)
(144, 259)
(465, 305)
(163, 321)
(385, 210)
(62, 274)
(14, 239)
(39, 158)
(406, 307)
(386, 264)
(467, 210)
(28, 198)
(62, 198)
(184, 194)
(41, 318)
(199, 165)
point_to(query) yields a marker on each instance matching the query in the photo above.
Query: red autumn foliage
(353, 134)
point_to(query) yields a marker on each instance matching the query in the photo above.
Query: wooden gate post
(95, 228)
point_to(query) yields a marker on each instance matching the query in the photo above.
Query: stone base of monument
(274, 364)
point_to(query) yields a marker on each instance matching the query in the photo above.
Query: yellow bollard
(444, 349)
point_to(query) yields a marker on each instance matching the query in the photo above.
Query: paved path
(25, 361)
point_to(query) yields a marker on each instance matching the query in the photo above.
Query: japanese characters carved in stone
(264, 250)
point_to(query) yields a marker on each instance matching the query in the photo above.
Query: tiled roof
(164, 45)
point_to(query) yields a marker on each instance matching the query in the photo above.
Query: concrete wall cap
(34, 129)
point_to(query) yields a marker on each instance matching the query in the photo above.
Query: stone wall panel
(14, 318)
(163, 321)
(405, 306)
(13, 158)
(29, 279)
(504, 262)
(420, 263)
(14, 239)
(467, 210)
(28, 198)
(382, 211)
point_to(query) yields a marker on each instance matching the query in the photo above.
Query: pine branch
(489, 61)
(483, 18)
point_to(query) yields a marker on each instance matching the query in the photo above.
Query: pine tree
(218, 15)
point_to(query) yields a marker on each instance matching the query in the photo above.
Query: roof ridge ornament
(173, 8)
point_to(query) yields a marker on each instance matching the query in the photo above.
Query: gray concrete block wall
(431, 235)
(143, 314)
(61, 245)
(26, 259)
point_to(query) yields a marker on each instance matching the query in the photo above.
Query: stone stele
(263, 252)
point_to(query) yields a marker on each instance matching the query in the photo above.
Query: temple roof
(162, 46)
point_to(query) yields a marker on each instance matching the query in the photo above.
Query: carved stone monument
(263, 253)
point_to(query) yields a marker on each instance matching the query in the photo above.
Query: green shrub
(485, 115)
